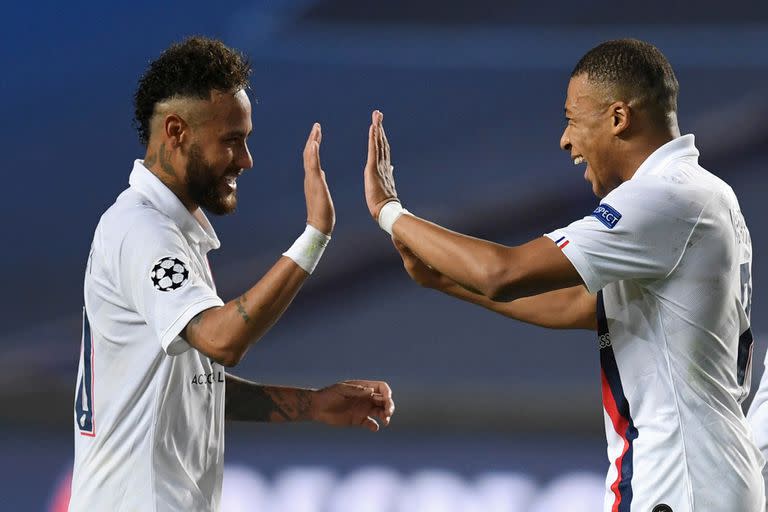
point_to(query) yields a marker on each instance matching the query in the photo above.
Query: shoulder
(674, 192)
(133, 219)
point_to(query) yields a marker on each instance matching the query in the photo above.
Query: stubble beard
(204, 187)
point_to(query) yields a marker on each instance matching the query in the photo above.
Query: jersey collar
(194, 225)
(680, 147)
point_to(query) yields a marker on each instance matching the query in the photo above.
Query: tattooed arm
(346, 403)
(225, 333)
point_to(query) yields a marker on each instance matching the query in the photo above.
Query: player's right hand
(379, 172)
(419, 271)
(320, 212)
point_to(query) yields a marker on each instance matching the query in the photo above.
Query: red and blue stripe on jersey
(84, 397)
(617, 408)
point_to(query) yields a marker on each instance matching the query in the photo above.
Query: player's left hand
(379, 177)
(365, 403)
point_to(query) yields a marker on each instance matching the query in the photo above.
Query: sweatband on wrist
(389, 213)
(307, 250)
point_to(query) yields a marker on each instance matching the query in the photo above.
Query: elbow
(228, 354)
(229, 360)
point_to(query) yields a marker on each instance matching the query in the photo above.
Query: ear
(176, 130)
(621, 116)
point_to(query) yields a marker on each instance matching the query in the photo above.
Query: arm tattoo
(249, 401)
(164, 164)
(195, 320)
(240, 309)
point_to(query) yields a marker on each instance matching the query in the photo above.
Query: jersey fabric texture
(758, 418)
(669, 255)
(149, 409)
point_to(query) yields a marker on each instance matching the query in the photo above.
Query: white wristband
(389, 213)
(307, 250)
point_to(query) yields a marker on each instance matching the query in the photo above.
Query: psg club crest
(169, 274)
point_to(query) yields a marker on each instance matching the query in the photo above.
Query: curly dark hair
(636, 69)
(192, 69)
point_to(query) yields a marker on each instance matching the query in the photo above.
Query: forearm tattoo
(249, 401)
(241, 309)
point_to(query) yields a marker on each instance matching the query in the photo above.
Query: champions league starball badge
(169, 274)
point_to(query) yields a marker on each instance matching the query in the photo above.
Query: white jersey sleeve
(159, 277)
(638, 231)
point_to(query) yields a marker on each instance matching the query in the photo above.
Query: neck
(160, 162)
(647, 145)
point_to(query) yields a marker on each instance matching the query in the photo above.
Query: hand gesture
(379, 178)
(320, 212)
(354, 402)
(419, 271)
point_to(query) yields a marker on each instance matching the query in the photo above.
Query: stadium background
(492, 414)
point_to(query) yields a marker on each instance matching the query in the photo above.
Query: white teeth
(231, 181)
(578, 160)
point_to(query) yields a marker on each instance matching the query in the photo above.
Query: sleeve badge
(169, 274)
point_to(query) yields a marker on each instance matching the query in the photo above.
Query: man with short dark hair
(152, 390)
(660, 269)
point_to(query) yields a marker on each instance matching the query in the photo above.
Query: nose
(565, 143)
(244, 159)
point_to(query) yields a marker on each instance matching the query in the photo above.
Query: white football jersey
(669, 255)
(758, 419)
(149, 409)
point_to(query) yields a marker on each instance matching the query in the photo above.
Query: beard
(205, 188)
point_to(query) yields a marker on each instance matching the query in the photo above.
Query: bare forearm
(225, 333)
(495, 271)
(568, 308)
(463, 259)
(250, 401)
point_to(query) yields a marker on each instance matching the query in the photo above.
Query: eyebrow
(236, 133)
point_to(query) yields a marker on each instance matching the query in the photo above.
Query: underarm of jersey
(251, 401)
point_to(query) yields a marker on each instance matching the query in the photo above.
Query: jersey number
(84, 398)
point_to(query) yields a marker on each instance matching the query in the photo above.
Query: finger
(382, 395)
(352, 390)
(385, 144)
(378, 386)
(371, 145)
(316, 150)
(382, 416)
(385, 408)
(312, 148)
(370, 424)
(314, 134)
(380, 138)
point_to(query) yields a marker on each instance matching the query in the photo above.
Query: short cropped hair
(635, 70)
(190, 69)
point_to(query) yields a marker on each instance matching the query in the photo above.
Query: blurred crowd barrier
(383, 489)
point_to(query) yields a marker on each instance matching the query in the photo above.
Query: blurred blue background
(473, 95)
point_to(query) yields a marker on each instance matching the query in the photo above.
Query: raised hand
(379, 178)
(320, 211)
(354, 403)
